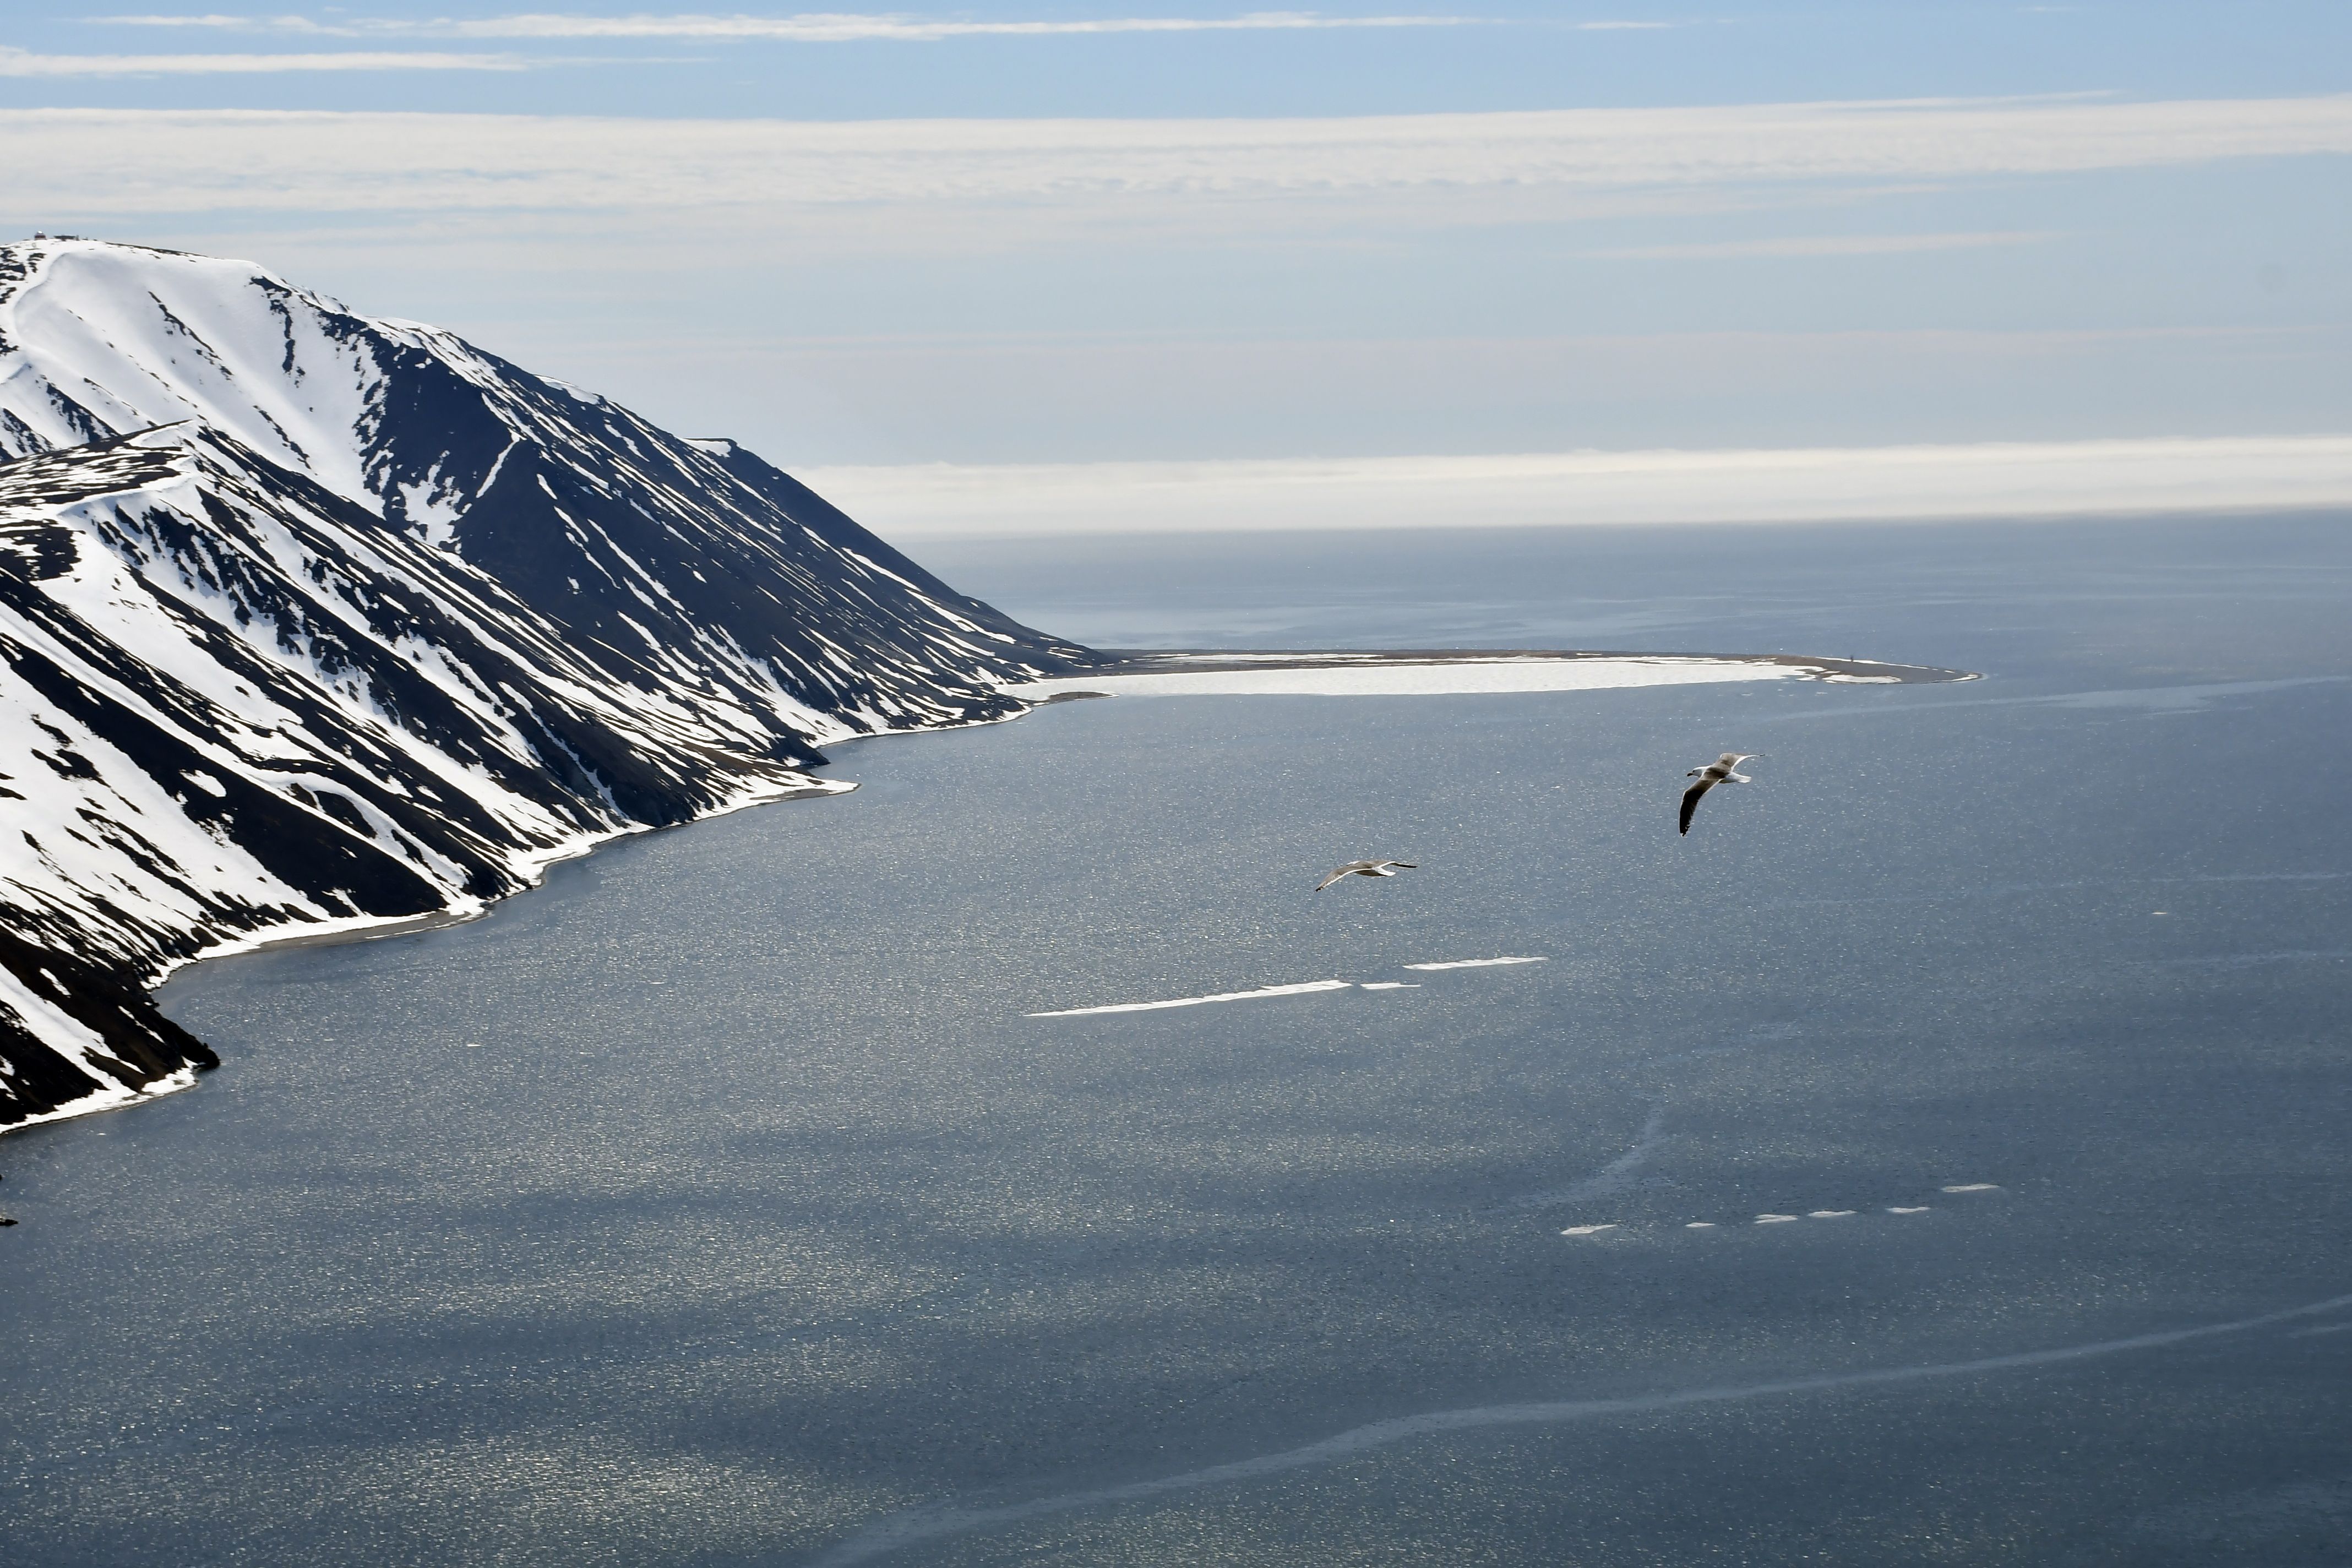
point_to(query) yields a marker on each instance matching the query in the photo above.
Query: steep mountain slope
(660, 553)
(310, 621)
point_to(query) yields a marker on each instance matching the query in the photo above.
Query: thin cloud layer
(16, 62)
(90, 162)
(1541, 490)
(810, 27)
(1800, 246)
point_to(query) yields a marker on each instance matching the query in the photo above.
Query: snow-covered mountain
(311, 620)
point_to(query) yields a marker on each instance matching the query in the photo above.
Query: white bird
(1724, 768)
(1367, 869)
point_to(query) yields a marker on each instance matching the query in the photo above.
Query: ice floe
(1299, 990)
(1769, 1218)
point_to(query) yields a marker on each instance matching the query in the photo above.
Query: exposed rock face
(311, 620)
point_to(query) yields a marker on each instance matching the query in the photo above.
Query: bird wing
(1690, 799)
(1333, 877)
(1405, 865)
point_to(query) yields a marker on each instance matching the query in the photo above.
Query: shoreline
(1123, 664)
(1218, 661)
(1127, 662)
(1451, 672)
(415, 925)
(345, 929)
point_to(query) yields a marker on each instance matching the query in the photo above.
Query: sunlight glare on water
(723, 1202)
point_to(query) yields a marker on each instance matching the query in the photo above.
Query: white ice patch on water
(1299, 990)
(1388, 984)
(1830, 1213)
(1448, 678)
(1475, 963)
(1700, 1224)
(1920, 1209)
(1587, 1230)
(1776, 1219)
(1975, 1187)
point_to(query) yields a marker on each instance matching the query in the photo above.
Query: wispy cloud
(810, 27)
(1414, 169)
(15, 62)
(1542, 489)
(1823, 244)
(212, 19)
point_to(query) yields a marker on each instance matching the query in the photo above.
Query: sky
(1069, 247)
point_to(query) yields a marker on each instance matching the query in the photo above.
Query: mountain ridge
(374, 627)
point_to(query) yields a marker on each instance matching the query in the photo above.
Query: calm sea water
(717, 1204)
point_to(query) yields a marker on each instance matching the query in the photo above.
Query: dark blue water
(716, 1205)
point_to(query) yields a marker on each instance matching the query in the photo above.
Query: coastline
(1455, 672)
(370, 929)
(1124, 665)
(342, 930)
(1151, 661)
(347, 929)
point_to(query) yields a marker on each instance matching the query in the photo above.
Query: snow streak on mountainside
(311, 620)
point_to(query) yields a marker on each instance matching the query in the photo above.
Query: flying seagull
(1724, 768)
(1367, 869)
